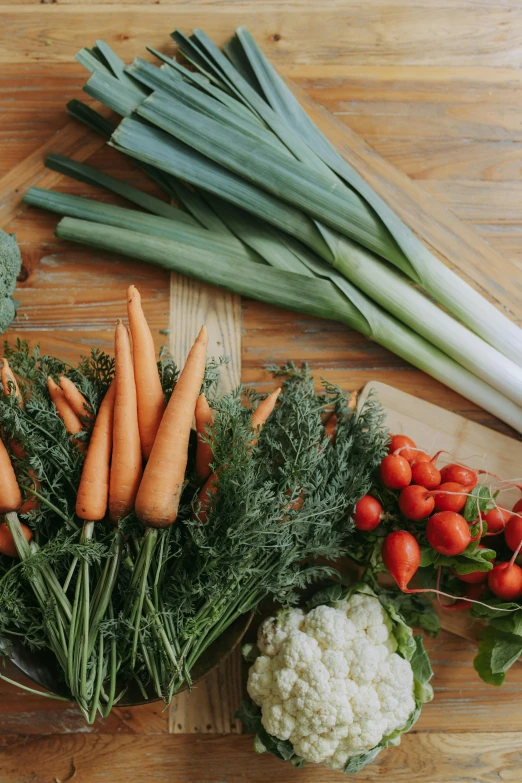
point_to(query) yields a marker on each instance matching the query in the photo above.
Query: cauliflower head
(332, 682)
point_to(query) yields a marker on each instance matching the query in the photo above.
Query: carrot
(151, 402)
(71, 421)
(10, 495)
(9, 382)
(206, 495)
(126, 447)
(263, 411)
(331, 426)
(204, 456)
(75, 398)
(93, 492)
(7, 544)
(160, 490)
(259, 417)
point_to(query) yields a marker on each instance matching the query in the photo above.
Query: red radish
(476, 577)
(421, 456)
(459, 474)
(395, 472)
(405, 447)
(450, 496)
(401, 556)
(448, 533)
(415, 503)
(399, 442)
(425, 474)
(472, 592)
(518, 506)
(367, 514)
(505, 581)
(513, 532)
(497, 519)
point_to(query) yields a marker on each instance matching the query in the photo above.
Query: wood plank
(73, 140)
(456, 34)
(495, 203)
(477, 756)
(211, 707)
(193, 304)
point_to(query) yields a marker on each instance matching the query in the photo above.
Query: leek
(267, 188)
(437, 279)
(315, 296)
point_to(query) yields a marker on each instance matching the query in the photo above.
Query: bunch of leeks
(272, 211)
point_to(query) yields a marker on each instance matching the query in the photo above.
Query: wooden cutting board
(435, 429)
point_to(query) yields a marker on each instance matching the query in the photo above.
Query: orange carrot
(259, 417)
(71, 421)
(9, 382)
(10, 495)
(206, 495)
(7, 544)
(204, 456)
(93, 492)
(151, 402)
(75, 398)
(331, 426)
(126, 448)
(160, 490)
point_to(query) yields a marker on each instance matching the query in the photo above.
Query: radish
(450, 496)
(476, 577)
(400, 442)
(497, 519)
(425, 474)
(513, 532)
(448, 533)
(415, 503)
(401, 556)
(472, 592)
(421, 456)
(367, 514)
(460, 475)
(505, 581)
(395, 472)
(518, 506)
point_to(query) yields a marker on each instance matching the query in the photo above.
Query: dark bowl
(42, 669)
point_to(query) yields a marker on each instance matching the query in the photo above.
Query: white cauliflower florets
(330, 681)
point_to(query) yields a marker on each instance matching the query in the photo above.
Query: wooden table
(435, 87)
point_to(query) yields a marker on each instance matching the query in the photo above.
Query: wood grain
(435, 87)
(478, 757)
(193, 304)
(333, 32)
(74, 140)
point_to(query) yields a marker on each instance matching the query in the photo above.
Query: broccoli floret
(10, 266)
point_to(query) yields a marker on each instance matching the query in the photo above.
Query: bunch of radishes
(436, 497)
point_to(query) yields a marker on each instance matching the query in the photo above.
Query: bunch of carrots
(135, 458)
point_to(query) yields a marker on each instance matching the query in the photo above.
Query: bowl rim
(23, 653)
